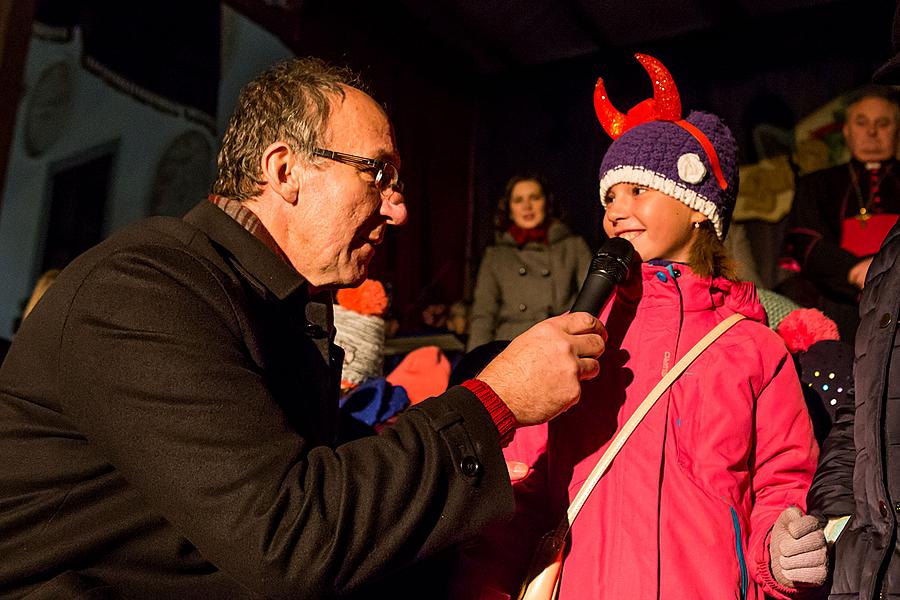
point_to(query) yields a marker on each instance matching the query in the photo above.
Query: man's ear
(278, 162)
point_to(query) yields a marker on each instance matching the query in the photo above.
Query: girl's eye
(638, 190)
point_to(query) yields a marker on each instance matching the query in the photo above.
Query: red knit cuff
(502, 417)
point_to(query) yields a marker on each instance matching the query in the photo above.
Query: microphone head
(613, 259)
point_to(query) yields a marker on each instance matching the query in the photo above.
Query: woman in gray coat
(533, 270)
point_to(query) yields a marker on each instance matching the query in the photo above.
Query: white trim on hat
(661, 183)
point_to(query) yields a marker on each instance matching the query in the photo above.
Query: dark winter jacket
(859, 470)
(167, 419)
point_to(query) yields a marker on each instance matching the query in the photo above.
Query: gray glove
(799, 557)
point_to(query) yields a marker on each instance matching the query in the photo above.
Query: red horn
(667, 102)
(612, 120)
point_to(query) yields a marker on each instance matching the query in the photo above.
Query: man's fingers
(588, 368)
(589, 344)
(582, 322)
(517, 470)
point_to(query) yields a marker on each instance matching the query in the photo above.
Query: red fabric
(864, 237)
(423, 373)
(535, 234)
(726, 449)
(500, 413)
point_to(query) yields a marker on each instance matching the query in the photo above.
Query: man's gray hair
(289, 102)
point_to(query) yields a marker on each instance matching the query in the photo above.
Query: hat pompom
(806, 326)
(369, 298)
(360, 331)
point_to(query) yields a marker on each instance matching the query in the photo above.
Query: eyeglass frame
(369, 164)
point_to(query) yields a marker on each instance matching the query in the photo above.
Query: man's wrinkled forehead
(375, 114)
(866, 104)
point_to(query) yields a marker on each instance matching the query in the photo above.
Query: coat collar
(556, 232)
(250, 255)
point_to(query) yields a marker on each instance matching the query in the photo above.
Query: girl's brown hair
(709, 257)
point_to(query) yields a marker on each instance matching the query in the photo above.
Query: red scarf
(523, 236)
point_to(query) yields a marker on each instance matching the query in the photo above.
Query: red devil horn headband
(665, 105)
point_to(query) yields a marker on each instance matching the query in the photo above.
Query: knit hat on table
(360, 331)
(694, 160)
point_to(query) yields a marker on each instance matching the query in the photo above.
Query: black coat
(859, 469)
(167, 418)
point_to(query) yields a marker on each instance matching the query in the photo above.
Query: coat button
(661, 276)
(882, 508)
(470, 466)
(545, 272)
(885, 320)
(313, 330)
(522, 308)
(522, 270)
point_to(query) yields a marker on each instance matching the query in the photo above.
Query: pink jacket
(686, 508)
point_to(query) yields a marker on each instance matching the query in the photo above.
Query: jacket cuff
(503, 418)
(771, 585)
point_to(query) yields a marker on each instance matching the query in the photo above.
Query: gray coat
(518, 287)
(859, 470)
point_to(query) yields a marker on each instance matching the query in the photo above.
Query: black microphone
(608, 268)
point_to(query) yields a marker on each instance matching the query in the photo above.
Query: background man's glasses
(386, 175)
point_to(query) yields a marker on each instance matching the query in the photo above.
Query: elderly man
(168, 412)
(842, 214)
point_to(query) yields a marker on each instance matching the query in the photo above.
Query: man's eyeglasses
(386, 175)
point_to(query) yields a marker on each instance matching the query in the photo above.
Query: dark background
(479, 90)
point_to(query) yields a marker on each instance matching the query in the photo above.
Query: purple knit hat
(665, 156)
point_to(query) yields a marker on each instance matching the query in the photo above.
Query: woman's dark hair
(502, 222)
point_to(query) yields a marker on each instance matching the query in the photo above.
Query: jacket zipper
(740, 552)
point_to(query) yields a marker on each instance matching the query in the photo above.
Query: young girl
(694, 505)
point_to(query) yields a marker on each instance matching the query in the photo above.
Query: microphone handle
(594, 293)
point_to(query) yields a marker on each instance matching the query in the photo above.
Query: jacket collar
(250, 255)
(661, 284)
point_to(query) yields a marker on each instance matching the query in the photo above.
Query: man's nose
(393, 206)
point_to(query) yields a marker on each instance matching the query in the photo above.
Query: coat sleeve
(814, 236)
(485, 303)
(496, 564)
(161, 383)
(783, 462)
(831, 494)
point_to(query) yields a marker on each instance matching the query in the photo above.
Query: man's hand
(797, 549)
(539, 374)
(857, 274)
(517, 470)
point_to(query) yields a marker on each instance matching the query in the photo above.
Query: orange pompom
(367, 299)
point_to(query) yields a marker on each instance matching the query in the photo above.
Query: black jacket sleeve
(162, 383)
(831, 493)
